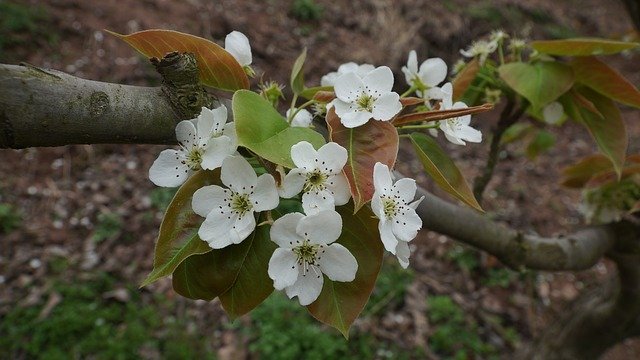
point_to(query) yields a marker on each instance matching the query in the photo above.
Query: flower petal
(386, 106)
(389, 240)
(402, 253)
(316, 201)
(283, 231)
(414, 205)
(237, 44)
(230, 131)
(242, 228)
(382, 179)
(470, 134)
(379, 81)
(215, 229)
(405, 189)
(186, 134)
(348, 87)
(302, 119)
(339, 188)
(376, 205)
(265, 194)
(331, 158)
(168, 169)
(208, 198)
(304, 155)
(338, 263)
(238, 174)
(411, 70)
(406, 224)
(283, 268)
(307, 287)
(433, 71)
(293, 183)
(322, 228)
(355, 118)
(216, 151)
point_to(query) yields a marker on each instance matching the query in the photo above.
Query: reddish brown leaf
(465, 78)
(218, 68)
(409, 101)
(440, 114)
(375, 141)
(577, 175)
(582, 46)
(582, 101)
(605, 80)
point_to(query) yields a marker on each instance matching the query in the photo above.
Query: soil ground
(70, 196)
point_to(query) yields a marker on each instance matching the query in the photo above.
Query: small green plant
(20, 23)
(390, 288)
(306, 10)
(10, 218)
(501, 277)
(466, 258)
(109, 225)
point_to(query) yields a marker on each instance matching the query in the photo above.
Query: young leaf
(605, 80)
(176, 241)
(609, 132)
(578, 174)
(436, 115)
(582, 46)
(264, 131)
(540, 83)
(340, 303)
(464, 79)
(375, 141)
(217, 67)
(297, 77)
(542, 142)
(310, 93)
(443, 170)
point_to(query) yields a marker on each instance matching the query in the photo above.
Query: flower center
(315, 181)
(390, 207)
(365, 102)
(194, 158)
(307, 256)
(240, 203)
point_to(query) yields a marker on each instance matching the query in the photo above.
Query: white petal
(283, 268)
(283, 231)
(265, 195)
(314, 202)
(329, 79)
(341, 107)
(389, 240)
(406, 224)
(331, 158)
(304, 155)
(208, 198)
(447, 97)
(348, 87)
(238, 174)
(349, 67)
(322, 228)
(364, 69)
(414, 205)
(403, 253)
(230, 131)
(216, 151)
(355, 118)
(434, 93)
(338, 263)
(339, 187)
(379, 81)
(470, 134)
(386, 106)
(453, 138)
(186, 134)
(302, 119)
(553, 113)
(411, 70)
(433, 71)
(215, 229)
(205, 124)
(168, 169)
(293, 183)
(405, 189)
(382, 179)
(307, 287)
(242, 228)
(237, 44)
(376, 205)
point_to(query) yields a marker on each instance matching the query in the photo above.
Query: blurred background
(78, 223)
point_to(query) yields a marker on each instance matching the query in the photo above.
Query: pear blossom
(360, 99)
(229, 211)
(553, 113)
(237, 44)
(391, 204)
(457, 129)
(307, 250)
(498, 36)
(303, 118)
(431, 72)
(350, 67)
(204, 142)
(481, 49)
(318, 175)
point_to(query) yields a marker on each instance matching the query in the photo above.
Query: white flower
(237, 44)
(391, 203)
(457, 129)
(306, 251)
(481, 49)
(350, 67)
(204, 142)
(553, 113)
(229, 212)
(302, 118)
(431, 73)
(497, 36)
(318, 175)
(360, 99)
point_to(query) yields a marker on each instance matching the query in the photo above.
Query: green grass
(23, 24)
(10, 218)
(109, 225)
(306, 10)
(86, 325)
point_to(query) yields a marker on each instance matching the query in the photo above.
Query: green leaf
(582, 46)
(540, 83)
(176, 241)
(375, 141)
(605, 80)
(309, 93)
(579, 174)
(442, 169)
(340, 303)
(609, 132)
(297, 77)
(217, 67)
(264, 131)
(542, 142)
